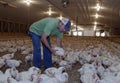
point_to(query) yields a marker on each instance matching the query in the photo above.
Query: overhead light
(72, 23)
(27, 2)
(60, 17)
(98, 7)
(95, 23)
(96, 16)
(49, 12)
(94, 27)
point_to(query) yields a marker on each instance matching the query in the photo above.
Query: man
(40, 31)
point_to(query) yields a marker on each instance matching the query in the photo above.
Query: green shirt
(48, 26)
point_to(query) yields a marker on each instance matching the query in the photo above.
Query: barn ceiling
(80, 12)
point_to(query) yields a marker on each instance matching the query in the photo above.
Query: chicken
(13, 63)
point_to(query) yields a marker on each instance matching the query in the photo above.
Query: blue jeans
(47, 55)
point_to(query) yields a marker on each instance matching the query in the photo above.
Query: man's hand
(53, 51)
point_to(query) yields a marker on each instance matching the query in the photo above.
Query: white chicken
(63, 77)
(11, 72)
(3, 78)
(1, 72)
(29, 58)
(23, 76)
(13, 63)
(34, 70)
(46, 79)
(59, 51)
(50, 71)
(2, 62)
(65, 64)
(12, 80)
(8, 56)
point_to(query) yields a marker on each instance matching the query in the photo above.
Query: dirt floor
(74, 76)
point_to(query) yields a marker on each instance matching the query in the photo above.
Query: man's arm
(44, 40)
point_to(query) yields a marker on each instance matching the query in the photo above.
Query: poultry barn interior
(91, 47)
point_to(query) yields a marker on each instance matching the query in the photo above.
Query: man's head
(64, 24)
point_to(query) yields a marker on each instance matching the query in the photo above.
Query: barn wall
(11, 26)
